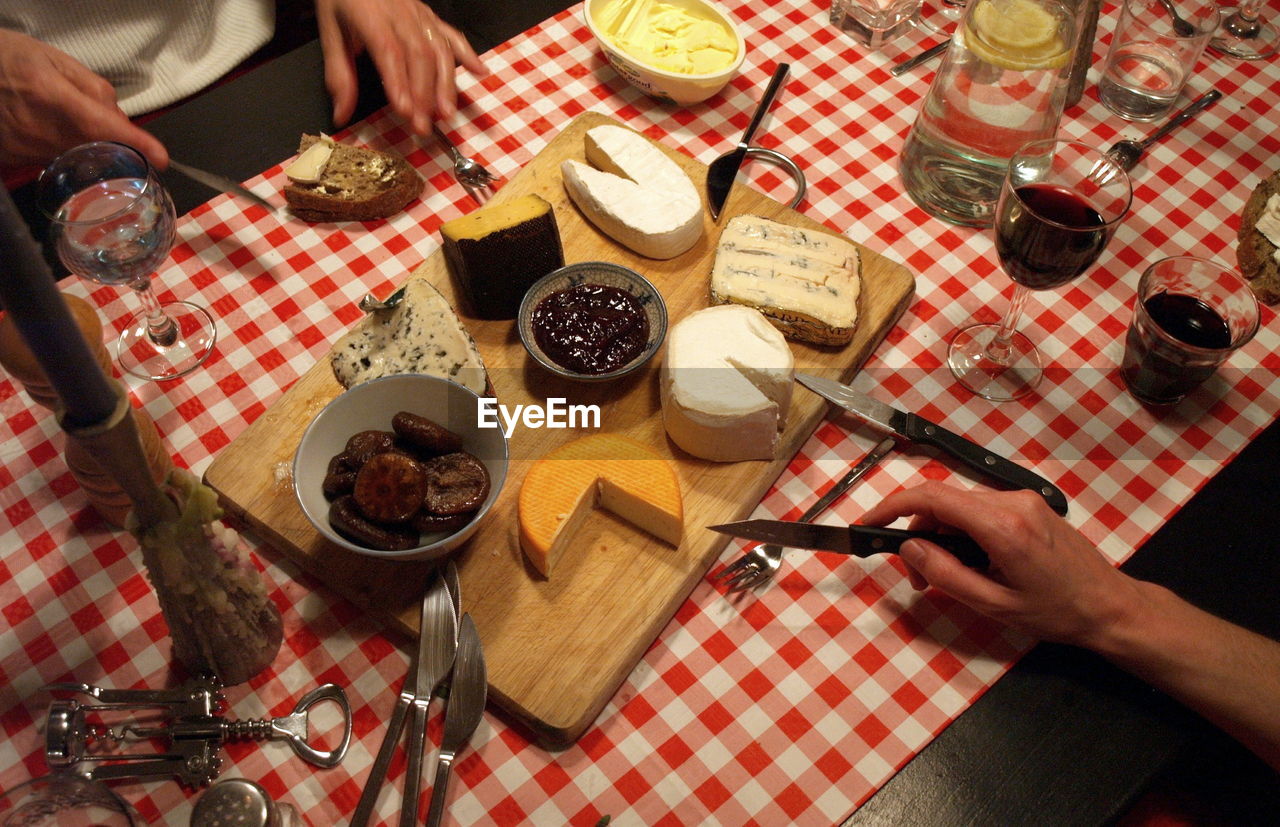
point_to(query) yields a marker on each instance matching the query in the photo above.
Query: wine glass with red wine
(112, 222)
(1059, 206)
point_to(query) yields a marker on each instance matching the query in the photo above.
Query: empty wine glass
(1243, 35)
(112, 222)
(941, 16)
(1060, 203)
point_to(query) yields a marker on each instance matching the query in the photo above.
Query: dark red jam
(590, 328)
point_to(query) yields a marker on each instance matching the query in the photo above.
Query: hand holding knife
(918, 429)
(854, 540)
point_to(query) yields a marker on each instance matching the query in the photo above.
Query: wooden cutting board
(557, 649)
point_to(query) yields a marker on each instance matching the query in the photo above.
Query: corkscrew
(185, 720)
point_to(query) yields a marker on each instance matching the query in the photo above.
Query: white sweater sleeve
(153, 52)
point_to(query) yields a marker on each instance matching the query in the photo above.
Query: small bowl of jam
(592, 321)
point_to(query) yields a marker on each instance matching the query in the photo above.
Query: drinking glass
(112, 222)
(63, 800)
(941, 16)
(1243, 35)
(1060, 203)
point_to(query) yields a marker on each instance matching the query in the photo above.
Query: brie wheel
(634, 193)
(726, 384)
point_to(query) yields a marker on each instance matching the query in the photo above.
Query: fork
(761, 563)
(473, 176)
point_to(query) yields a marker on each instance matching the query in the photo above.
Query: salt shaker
(239, 802)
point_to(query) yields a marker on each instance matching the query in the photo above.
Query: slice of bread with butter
(331, 181)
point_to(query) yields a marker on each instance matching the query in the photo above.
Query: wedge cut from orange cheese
(608, 471)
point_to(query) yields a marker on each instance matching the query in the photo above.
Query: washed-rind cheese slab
(609, 471)
(422, 334)
(806, 281)
(726, 384)
(634, 193)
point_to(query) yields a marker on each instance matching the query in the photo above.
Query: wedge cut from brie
(726, 384)
(634, 193)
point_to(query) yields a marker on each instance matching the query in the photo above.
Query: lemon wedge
(1015, 34)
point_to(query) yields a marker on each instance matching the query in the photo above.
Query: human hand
(1045, 577)
(416, 54)
(50, 102)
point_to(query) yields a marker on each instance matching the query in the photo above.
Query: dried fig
(422, 433)
(456, 483)
(367, 444)
(390, 488)
(346, 519)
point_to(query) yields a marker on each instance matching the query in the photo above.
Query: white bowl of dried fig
(400, 468)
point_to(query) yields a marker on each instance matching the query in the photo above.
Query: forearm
(1228, 674)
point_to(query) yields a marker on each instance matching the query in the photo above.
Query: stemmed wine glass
(112, 222)
(1243, 35)
(941, 16)
(1060, 203)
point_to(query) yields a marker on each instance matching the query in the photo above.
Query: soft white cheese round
(726, 384)
(635, 193)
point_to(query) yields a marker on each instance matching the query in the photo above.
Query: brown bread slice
(1254, 251)
(358, 184)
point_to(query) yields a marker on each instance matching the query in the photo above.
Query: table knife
(918, 429)
(430, 663)
(221, 183)
(855, 540)
(724, 170)
(924, 57)
(467, 693)
(436, 655)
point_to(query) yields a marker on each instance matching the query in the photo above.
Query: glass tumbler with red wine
(1190, 315)
(1060, 203)
(112, 222)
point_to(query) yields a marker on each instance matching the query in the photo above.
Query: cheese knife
(467, 694)
(221, 183)
(724, 170)
(854, 540)
(918, 429)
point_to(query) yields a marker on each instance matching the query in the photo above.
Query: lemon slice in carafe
(1015, 34)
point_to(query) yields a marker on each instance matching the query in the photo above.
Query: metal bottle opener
(185, 719)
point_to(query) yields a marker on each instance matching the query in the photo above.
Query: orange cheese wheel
(608, 471)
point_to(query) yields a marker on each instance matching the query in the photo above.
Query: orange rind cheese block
(613, 472)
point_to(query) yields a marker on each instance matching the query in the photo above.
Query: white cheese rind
(726, 384)
(634, 193)
(420, 335)
(806, 281)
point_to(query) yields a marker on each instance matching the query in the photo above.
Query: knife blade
(918, 429)
(723, 170)
(221, 183)
(430, 662)
(854, 540)
(924, 57)
(467, 694)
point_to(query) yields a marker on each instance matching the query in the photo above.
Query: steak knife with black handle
(855, 540)
(918, 429)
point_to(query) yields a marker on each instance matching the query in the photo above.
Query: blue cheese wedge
(420, 335)
(805, 281)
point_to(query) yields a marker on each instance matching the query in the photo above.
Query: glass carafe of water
(1002, 83)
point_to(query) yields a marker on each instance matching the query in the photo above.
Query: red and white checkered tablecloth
(790, 705)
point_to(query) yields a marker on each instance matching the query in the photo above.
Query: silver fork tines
(760, 564)
(471, 174)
